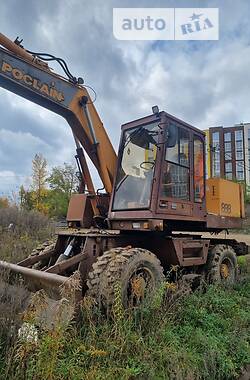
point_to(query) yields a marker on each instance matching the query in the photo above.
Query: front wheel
(132, 275)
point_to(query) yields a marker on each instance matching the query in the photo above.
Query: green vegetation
(203, 335)
(50, 192)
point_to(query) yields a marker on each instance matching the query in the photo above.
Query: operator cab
(136, 169)
(160, 176)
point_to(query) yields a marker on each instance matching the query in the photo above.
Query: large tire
(47, 246)
(133, 273)
(222, 265)
(98, 268)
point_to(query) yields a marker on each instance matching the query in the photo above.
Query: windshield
(135, 174)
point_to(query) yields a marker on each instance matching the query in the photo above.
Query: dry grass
(13, 299)
(21, 231)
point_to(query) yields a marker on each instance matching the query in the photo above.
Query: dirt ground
(237, 236)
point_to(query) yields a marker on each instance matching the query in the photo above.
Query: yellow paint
(224, 271)
(224, 198)
(20, 76)
(104, 158)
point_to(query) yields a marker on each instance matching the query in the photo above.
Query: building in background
(228, 153)
(247, 154)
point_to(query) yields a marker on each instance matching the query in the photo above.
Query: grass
(20, 232)
(204, 335)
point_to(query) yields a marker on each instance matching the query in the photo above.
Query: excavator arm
(30, 77)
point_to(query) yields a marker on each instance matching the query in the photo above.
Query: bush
(21, 231)
(30, 222)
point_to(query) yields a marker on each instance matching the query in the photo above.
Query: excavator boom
(31, 78)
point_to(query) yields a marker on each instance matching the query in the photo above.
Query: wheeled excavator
(156, 201)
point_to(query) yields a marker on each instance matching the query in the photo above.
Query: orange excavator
(154, 191)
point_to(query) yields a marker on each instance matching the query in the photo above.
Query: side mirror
(172, 134)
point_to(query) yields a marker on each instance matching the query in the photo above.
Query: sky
(205, 83)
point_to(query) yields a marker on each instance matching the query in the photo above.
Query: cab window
(198, 169)
(176, 173)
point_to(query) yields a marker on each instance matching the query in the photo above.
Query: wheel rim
(139, 285)
(226, 270)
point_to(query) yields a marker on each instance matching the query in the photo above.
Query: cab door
(181, 188)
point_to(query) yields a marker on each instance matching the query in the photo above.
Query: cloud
(205, 83)
(10, 183)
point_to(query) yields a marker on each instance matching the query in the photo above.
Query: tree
(57, 204)
(64, 179)
(26, 198)
(54, 200)
(39, 178)
(63, 182)
(22, 195)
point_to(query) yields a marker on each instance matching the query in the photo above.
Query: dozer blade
(36, 279)
(54, 297)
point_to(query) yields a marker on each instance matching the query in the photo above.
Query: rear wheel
(132, 275)
(222, 265)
